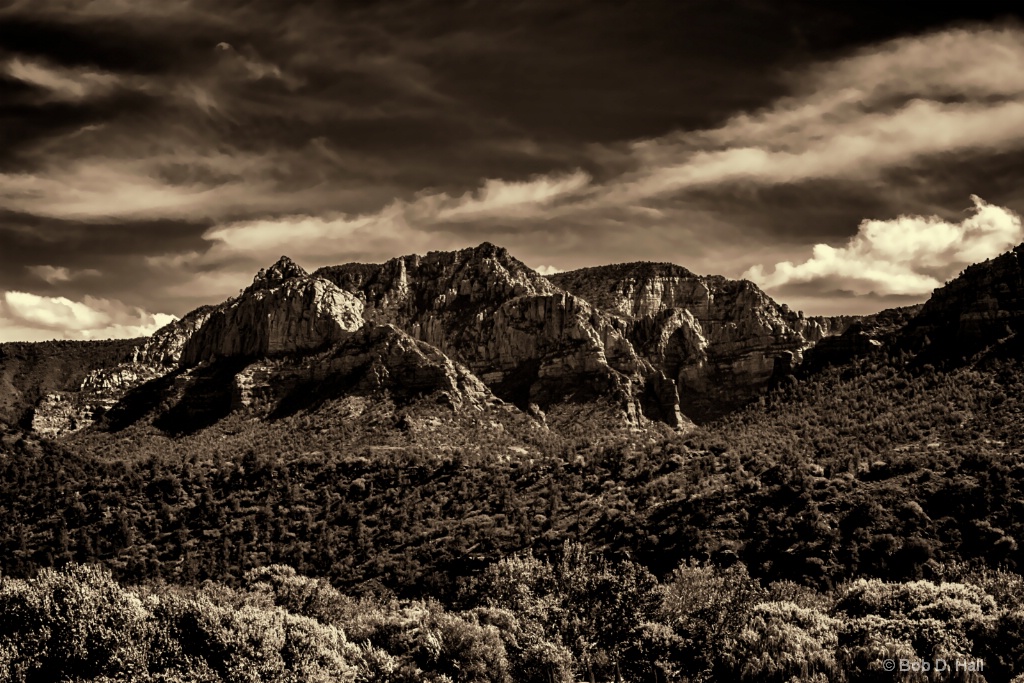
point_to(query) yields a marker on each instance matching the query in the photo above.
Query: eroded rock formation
(650, 341)
(376, 358)
(721, 340)
(282, 312)
(528, 340)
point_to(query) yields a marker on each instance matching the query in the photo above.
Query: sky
(154, 154)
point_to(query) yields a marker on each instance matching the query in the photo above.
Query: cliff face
(721, 340)
(292, 340)
(528, 340)
(293, 316)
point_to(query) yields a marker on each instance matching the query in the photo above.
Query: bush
(76, 623)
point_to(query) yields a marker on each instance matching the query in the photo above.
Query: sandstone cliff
(283, 311)
(287, 341)
(721, 340)
(528, 340)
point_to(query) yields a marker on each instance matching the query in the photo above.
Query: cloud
(506, 199)
(332, 134)
(91, 318)
(548, 270)
(56, 274)
(906, 256)
(427, 222)
(62, 83)
(885, 106)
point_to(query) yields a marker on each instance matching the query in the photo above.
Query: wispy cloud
(428, 222)
(505, 199)
(57, 274)
(885, 106)
(62, 83)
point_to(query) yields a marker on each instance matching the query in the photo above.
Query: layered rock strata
(528, 340)
(722, 341)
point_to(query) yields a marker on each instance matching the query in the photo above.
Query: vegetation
(28, 371)
(866, 512)
(523, 619)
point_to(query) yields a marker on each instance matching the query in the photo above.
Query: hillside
(30, 371)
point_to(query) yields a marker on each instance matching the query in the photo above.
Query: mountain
(632, 345)
(722, 341)
(529, 341)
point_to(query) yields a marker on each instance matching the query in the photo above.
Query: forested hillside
(884, 470)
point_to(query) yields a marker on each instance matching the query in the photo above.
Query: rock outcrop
(292, 339)
(376, 358)
(284, 311)
(528, 340)
(722, 341)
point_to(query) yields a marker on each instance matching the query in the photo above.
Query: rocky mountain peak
(284, 269)
(284, 311)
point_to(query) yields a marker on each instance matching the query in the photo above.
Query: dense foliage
(523, 619)
(868, 511)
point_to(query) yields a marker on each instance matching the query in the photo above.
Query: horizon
(311, 272)
(846, 158)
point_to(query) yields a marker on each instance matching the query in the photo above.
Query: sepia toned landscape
(368, 342)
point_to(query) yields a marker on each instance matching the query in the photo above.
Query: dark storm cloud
(46, 255)
(175, 146)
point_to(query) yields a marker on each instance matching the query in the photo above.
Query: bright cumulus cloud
(91, 318)
(548, 270)
(908, 255)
